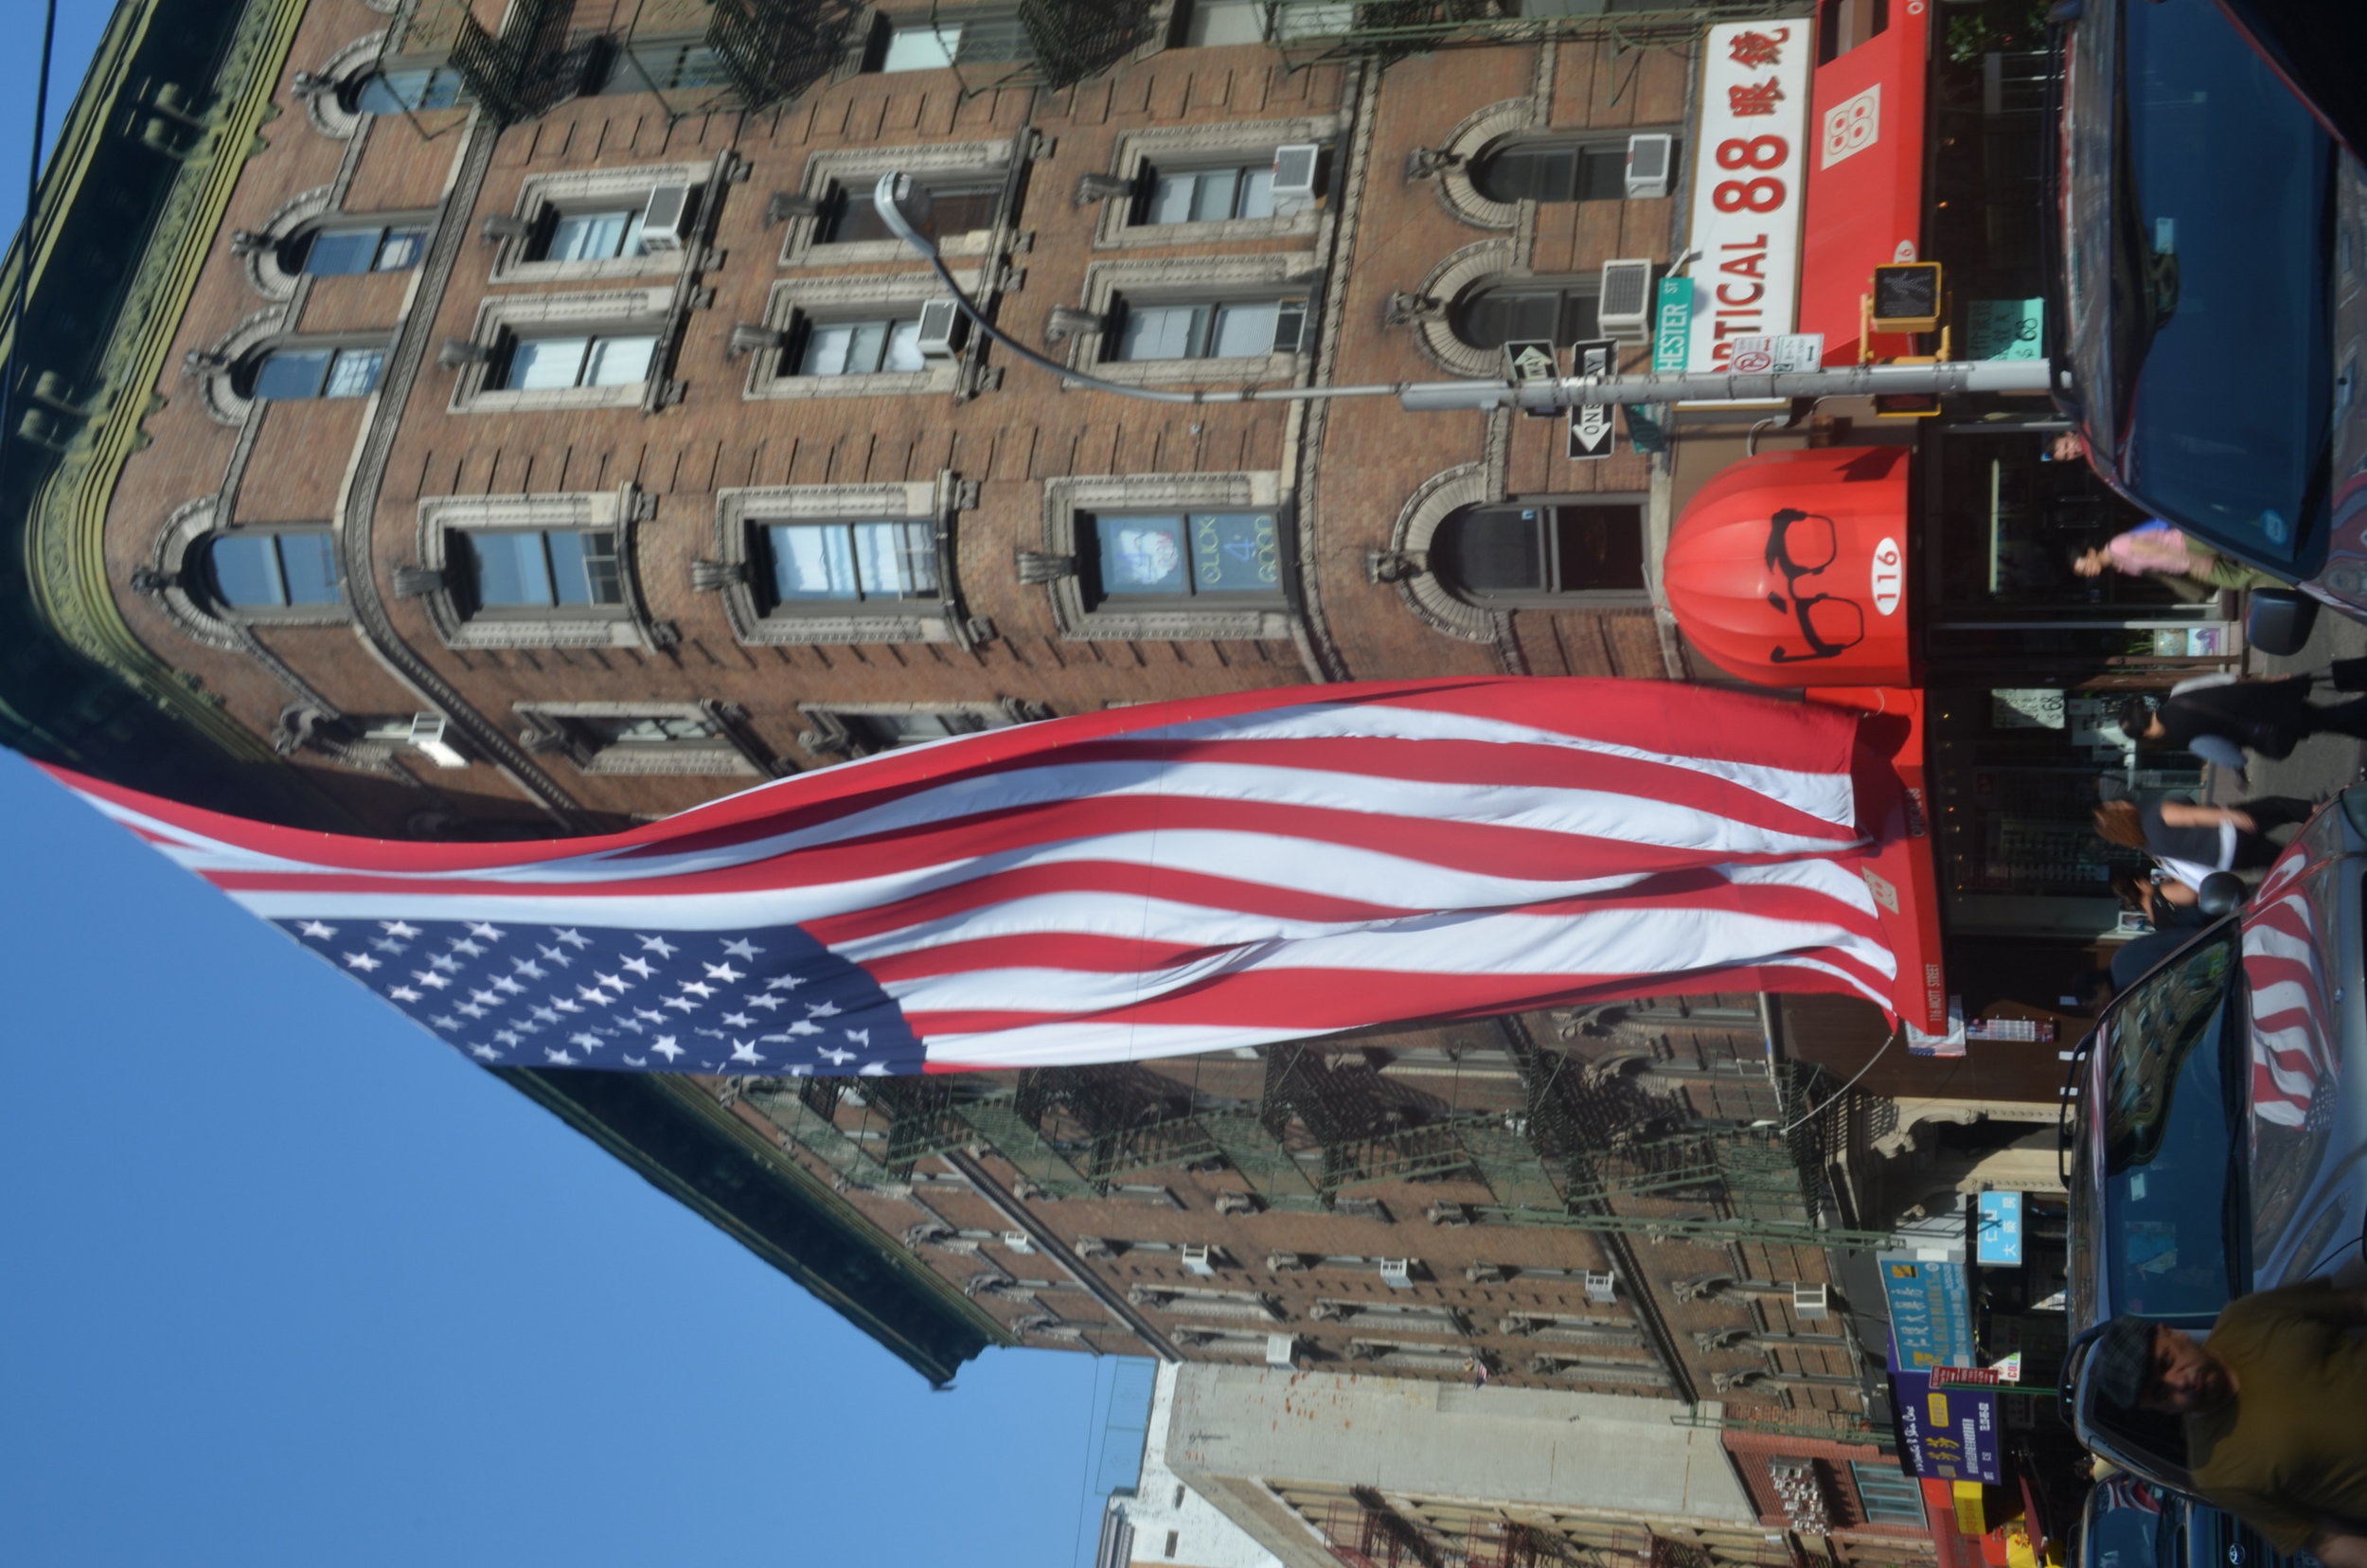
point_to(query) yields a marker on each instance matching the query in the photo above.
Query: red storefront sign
(1790, 570)
(1864, 198)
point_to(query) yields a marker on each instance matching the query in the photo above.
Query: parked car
(2213, 238)
(2128, 1524)
(2215, 1141)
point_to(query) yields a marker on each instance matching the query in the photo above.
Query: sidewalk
(2319, 766)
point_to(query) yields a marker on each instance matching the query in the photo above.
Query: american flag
(1151, 881)
(2291, 1052)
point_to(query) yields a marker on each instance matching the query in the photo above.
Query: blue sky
(288, 1281)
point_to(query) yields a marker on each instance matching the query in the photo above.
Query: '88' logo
(1759, 193)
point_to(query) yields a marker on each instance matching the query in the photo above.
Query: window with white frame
(682, 62)
(263, 570)
(530, 571)
(636, 738)
(1176, 557)
(537, 571)
(1212, 181)
(1143, 558)
(852, 336)
(553, 351)
(1194, 330)
(829, 565)
(295, 371)
(928, 42)
(593, 222)
(879, 346)
(1216, 22)
(1188, 318)
(1217, 194)
(957, 206)
(541, 363)
(835, 563)
(866, 730)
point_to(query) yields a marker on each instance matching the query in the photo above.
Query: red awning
(1864, 203)
(1789, 569)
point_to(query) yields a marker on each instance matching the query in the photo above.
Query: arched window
(299, 370)
(344, 248)
(273, 569)
(1561, 168)
(1534, 551)
(415, 87)
(1555, 311)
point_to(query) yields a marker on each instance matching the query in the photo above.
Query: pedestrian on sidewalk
(2191, 841)
(2220, 717)
(2273, 1406)
(2153, 548)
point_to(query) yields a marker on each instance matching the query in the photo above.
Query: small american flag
(1148, 881)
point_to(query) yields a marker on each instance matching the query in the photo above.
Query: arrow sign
(1591, 425)
(1530, 362)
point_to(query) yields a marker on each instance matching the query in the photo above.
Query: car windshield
(2168, 1138)
(2221, 233)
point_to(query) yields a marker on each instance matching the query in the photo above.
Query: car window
(2166, 1138)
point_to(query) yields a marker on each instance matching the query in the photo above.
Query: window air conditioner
(1018, 1242)
(1282, 1350)
(1648, 157)
(1397, 1272)
(664, 219)
(1602, 1287)
(1809, 1303)
(1196, 1260)
(427, 739)
(1624, 309)
(1296, 168)
(943, 330)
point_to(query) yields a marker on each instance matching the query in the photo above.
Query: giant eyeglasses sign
(1790, 569)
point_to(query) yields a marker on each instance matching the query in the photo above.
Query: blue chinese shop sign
(1931, 1308)
(1998, 1236)
(1948, 1433)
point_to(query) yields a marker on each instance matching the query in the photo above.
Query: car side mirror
(2221, 893)
(2277, 621)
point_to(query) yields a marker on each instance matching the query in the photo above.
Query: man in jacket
(2275, 1409)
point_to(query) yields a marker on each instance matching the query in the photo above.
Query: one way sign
(1590, 424)
(1531, 362)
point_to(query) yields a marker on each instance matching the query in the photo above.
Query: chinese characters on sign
(1948, 1434)
(2000, 1234)
(1930, 1309)
(1749, 165)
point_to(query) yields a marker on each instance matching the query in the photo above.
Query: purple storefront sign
(1948, 1433)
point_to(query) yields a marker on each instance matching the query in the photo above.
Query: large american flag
(1146, 882)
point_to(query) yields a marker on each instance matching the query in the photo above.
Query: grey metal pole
(1850, 380)
(892, 192)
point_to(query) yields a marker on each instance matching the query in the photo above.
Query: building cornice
(65, 542)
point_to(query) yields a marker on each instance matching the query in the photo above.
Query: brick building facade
(544, 437)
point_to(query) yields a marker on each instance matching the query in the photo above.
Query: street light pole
(903, 206)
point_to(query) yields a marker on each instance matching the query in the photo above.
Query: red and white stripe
(1186, 876)
(2290, 998)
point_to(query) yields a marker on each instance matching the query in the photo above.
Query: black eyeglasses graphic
(1801, 544)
